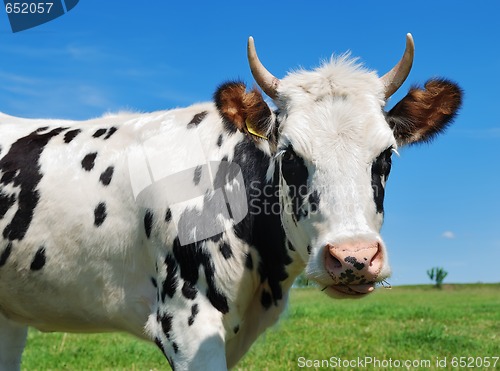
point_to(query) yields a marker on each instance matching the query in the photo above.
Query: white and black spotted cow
(187, 227)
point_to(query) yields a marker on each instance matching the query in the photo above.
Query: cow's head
(333, 143)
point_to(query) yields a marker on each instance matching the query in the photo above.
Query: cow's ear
(424, 113)
(244, 111)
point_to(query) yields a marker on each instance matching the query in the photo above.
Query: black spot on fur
(21, 162)
(197, 119)
(309, 249)
(153, 281)
(236, 329)
(216, 238)
(111, 131)
(266, 299)
(175, 347)
(89, 161)
(168, 215)
(6, 253)
(43, 128)
(290, 246)
(197, 175)
(166, 324)
(381, 168)
(226, 251)
(249, 261)
(70, 135)
(194, 312)
(189, 291)
(287, 259)
(159, 345)
(99, 133)
(99, 214)
(148, 222)
(8, 177)
(39, 260)
(219, 141)
(107, 175)
(170, 283)
(190, 257)
(6, 202)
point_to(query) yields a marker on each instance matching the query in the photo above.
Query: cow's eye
(294, 170)
(288, 156)
(382, 164)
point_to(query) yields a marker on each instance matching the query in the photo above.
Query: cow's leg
(12, 341)
(191, 336)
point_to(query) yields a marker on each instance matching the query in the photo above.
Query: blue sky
(443, 199)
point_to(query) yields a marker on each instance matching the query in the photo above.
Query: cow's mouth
(350, 290)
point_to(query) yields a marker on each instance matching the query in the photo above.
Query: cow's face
(334, 154)
(333, 144)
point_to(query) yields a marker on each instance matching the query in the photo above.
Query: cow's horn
(393, 79)
(265, 79)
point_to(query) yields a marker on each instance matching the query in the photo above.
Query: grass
(405, 323)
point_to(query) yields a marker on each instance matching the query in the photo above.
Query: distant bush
(437, 275)
(303, 281)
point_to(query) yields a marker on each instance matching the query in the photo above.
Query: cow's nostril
(377, 257)
(334, 262)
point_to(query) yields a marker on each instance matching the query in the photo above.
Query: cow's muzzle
(354, 267)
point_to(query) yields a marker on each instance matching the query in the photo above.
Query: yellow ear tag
(252, 131)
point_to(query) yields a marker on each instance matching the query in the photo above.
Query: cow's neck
(279, 262)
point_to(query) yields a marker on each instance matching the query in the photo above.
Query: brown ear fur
(424, 113)
(239, 107)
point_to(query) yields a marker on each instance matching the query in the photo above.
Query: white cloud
(56, 97)
(45, 53)
(448, 234)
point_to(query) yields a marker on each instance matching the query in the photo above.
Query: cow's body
(107, 264)
(84, 251)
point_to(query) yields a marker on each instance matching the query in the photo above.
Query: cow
(187, 227)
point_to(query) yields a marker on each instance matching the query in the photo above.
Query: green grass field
(406, 323)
